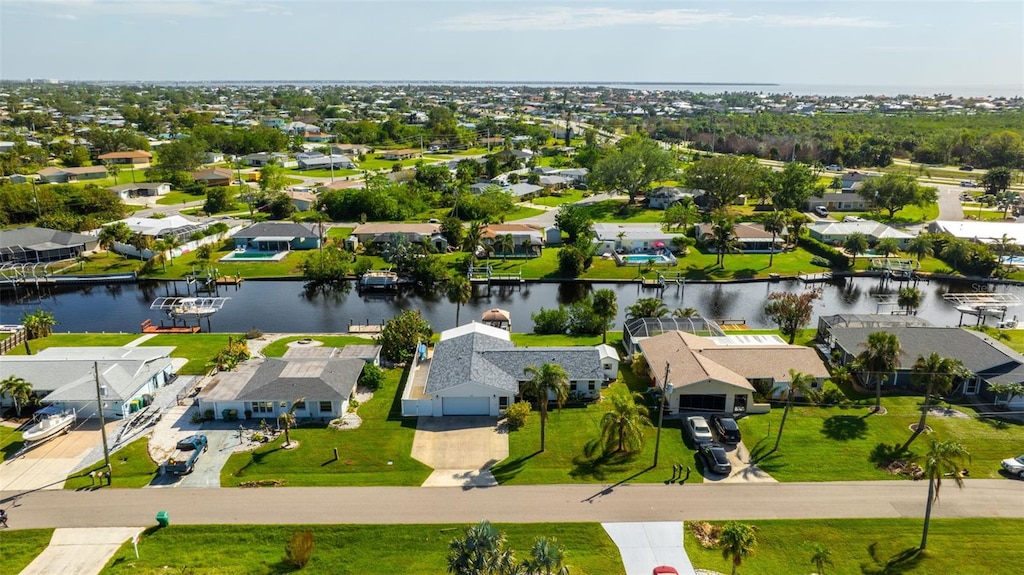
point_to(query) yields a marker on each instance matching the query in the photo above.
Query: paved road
(557, 503)
(950, 208)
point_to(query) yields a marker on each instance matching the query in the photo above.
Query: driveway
(49, 464)
(80, 551)
(460, 449)
(644, 546)
(206, 474)
(742, 470)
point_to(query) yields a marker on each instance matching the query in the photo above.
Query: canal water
(284, 306)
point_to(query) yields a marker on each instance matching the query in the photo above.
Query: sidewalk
(80, 551)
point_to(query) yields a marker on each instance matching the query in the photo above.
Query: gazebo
(498, 318)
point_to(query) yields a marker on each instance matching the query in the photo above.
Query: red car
(665, 570)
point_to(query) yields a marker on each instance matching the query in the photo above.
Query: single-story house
(839, 202)
(351, 150)
(260, 159)
(141, 189)
(981, 232)
(397, 155)
(662, 197)
(751, 236)
(370, 353)
(159, 228)
(65, 377)
(53, 175)
(835, 233)
(133, 158)
(213, 176)
(575, 175)
(719, 374)
(631, 237)
(852, 180)
(523, 190)
(213, 158)
(265, 388)
(278, 237)
(317, 137)
(318, 161)
(554, 182)
(342, 184)
(522, 235)
(637, 329)
(367, 233)
(490, 142)
(34, 245)
(475, 369)
(303, 201)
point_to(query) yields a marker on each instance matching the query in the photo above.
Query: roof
(610, 232)
(277, 379)
(158, 226)
(212, 174)
(303, 196)
(744, 231)
(379, 228)
(980, 231)
(867, 227)
(277, 230)
(686, 365)
(494, 230)
(67, 373)
(124, 155)
(36, 238)
(522, 189)
(138, 186)
(641, 327)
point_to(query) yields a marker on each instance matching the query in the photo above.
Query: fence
(17, 338)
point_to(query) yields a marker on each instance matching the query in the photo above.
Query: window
(262, 407)
(300, 405)
(503, 402)
(607, 366)
(326, 407)
(591, 386)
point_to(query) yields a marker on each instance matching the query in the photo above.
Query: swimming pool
(254, 256)
(1013, 261)
(638, 259)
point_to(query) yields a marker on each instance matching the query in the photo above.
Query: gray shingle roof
(314, 379)
(68, 375)
(276, 229)
(31, 236)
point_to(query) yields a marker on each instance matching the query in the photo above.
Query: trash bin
(162, 519)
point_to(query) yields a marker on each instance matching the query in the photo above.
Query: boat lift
(186, 308)
(983, 305)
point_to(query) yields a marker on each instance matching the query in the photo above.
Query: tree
(606, 307)
(183, 155)
(801, 383)
(452, 230)
(483, 551)
(855, 244)
(272, 178)
(459, 291)
(547, 557)
(944, 459)
(909, 299)
(38, 323)
(936, 375)
(821, 557)
(109, 235)
(171, 243)
(887, 247)
(571, 261)
(574, 220)
(623, 422)
(280, 206)
(685, 312)
(218, 199)
(795, 222)
(774, 223)
(724, 178)
(791, 187)
(547, 380)
(920, 246)
(894, 191)
(997, 180)
(79, 156)
(879, 358)
(791, 311)
(19, 390)
(473, 236)
(1010, 390)
(288, 420)
(633, 165)
(723, 238)
(647, 307)
(681, 214)
(505, 244)
(402, 333)
(737, 542)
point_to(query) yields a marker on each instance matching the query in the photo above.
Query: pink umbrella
(659, 244)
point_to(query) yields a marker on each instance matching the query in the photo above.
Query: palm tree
(799, 382)
(141, 242)
(107, 237)
(909, 298)
(18, 389)
(737, 542)
(473, 237)
(482, 552)
(856, 244)
(505, 244)
(547, 557)
(775, 223)
(606, 307)
(936, 375)
(459, 291)
(879, 358)
(647, 307)
(821, 557)
(549, 379)
(795, 222)
(623, 422)
(171, 243)
(887, 247)
(920, 247)
(38, 323)
(685, 312)
(160, 247)
(944, 459)
(723, 238)
(288, 420)
(956, 252)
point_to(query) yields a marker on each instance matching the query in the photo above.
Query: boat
(378, 280)
(190, 308)
(49, 422)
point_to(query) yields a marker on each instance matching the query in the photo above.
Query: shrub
(517, 414)
(834, 396)
(551, 321)
(196, 418)
(300, 549)
(836, 258)
(208, 414)
(253, 333)
(372, 377)
(571, 261)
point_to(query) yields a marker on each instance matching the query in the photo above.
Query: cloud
(578, 18)
(66, 17)
(172, 9)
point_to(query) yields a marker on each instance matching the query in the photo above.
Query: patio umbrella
(659, 244)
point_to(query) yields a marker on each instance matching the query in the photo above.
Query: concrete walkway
(80, 551)
(139, 340)
(644, 546)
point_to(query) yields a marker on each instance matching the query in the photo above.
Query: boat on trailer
(50, 422)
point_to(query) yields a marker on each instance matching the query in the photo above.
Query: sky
(972, 43)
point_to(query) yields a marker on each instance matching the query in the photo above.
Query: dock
(652, 283)
(148, 327)
(815, 278)
(365, 329)
(230, 281)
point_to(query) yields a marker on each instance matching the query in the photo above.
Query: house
(260, 159)
(475, 369)
(160, 228)
(575, 175)
(278, 237)
(140, 190)
(351, 150)
(631, 237)
(490, 142)
(662, 197)
(981, 232)
(987, 360)
(265, 388)
(398, 155)
(318, 161)
(553, 182)
(835, 233)
(838, 202)
(53, 175)
(522, 235)
(303, 201)
(133, 159)
(367, 233)
(213, 177)
(368, 353)
(35, 245)
(65, 377)
(852, 180)
(721, 374)
(316, 137)
(522, 190)
(213, 158)
(637, 329)
(751, 236)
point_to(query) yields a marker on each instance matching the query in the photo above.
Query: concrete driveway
(742, 470)
(80, 551)
(460, 449)
(49, 464)
(206, 474)
(644, 546)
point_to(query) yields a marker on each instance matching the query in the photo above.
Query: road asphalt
(108, 507)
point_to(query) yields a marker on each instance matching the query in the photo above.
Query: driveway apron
(644, 546)
(461, 450)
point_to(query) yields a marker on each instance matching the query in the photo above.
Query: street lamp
(665, 389)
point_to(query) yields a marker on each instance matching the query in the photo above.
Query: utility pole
(661, 412)
(35, 196)
(99, 404)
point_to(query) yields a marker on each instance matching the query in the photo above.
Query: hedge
(838, 259)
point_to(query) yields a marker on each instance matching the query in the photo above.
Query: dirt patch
(293, 445)
(706, 534)
(880, 411)
(906, 468)
(938, 411)
(913, 427)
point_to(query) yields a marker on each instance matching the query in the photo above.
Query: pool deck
(239, 256)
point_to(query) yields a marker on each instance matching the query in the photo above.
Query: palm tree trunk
(920, 422)
(782, 424)
(928, 513)
(878, 394)
(604, 335)
(771, 255)
(458, 308)
(734, 566)
(543, 417)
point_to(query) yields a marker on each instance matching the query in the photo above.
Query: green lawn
(339, 232)
(909, 215)
(199, 348)
(18, 548)
(104, 263)
(616, 211)
(364, 453)
(851, 441)
(346, 549)
(277, 348)
(10, 442)
(75, 340)
(175, 198)
(521, 213)
(131, 468)
(876, 546)
(538, 340)
(1011, 337)
(377, 162)
(338, 173)
(185, 264)
(559, 198)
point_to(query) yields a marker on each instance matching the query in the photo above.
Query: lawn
(75, 340)
(1014, 338)
(521, 213)
(10, 442)
(339, 232)
(961, 546)
(186, 264)
(175, 198)
(104, 263)
(376, 453)
(199, 348)
(559, 198)
(851, 440)
(376, 162)
(277, 348)
(338, 173)
(911, 214)
(131, 468)
(346, 549)
(539, 340)
(618, 211)
(18, 548)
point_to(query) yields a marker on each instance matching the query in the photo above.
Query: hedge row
(838, 259)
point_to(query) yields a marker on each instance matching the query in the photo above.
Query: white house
(319, 161)
(631, 237)
(835, 233)
(141, 189)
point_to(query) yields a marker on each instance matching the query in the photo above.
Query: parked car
(834, 168)
(968, 184)
(725, 426)
(1014, 466)
(821, 211)
(665, 570)
(853, 219)
(186, 453)
(966, 168)
(699, 430)
(715, 459)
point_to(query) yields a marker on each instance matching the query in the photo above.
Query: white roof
(156, 226)
(475, 328)
(867, 227)
(981, 231)
(610, 232)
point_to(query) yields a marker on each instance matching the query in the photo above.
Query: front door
(739, 403)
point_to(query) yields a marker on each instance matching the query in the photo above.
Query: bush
(834, 257)
(253, 333)
(517, 414)
(300, 549)
(834, 396)
(196, 418)
(551, 321)
(571, 261)
(372, 377)
(208, 414)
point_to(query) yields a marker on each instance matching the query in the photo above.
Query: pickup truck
(185, 455)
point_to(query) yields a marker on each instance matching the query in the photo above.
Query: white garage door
(466, 405)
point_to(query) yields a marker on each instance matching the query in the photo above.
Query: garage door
(466, 405)
(702, 402)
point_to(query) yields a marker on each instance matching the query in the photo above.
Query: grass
(377, 162)
(175, 198)
(364, 453)
(521, 213)
(852, 441)
(186, 263)
(18, 548)
(199, 349)
(1014, 338)
(908, 215)
(346, 549)
(131, 468)
(277, 348)
(75, 340)
(10, 442)
(339, 232)
(559, 198)
(875, 546)
(106, 263)
(617, 211)
(338, 173)
(539, 340)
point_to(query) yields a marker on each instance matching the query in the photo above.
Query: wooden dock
(652, 283)
(815, 278)
(365, 329)
(230, 281)
(148, 327)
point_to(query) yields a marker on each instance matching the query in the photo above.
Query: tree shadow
(844, 427)
(764, 455)
(509, 468)
(11, 449)
(900, 562)
(885, 453)
(601, 466)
